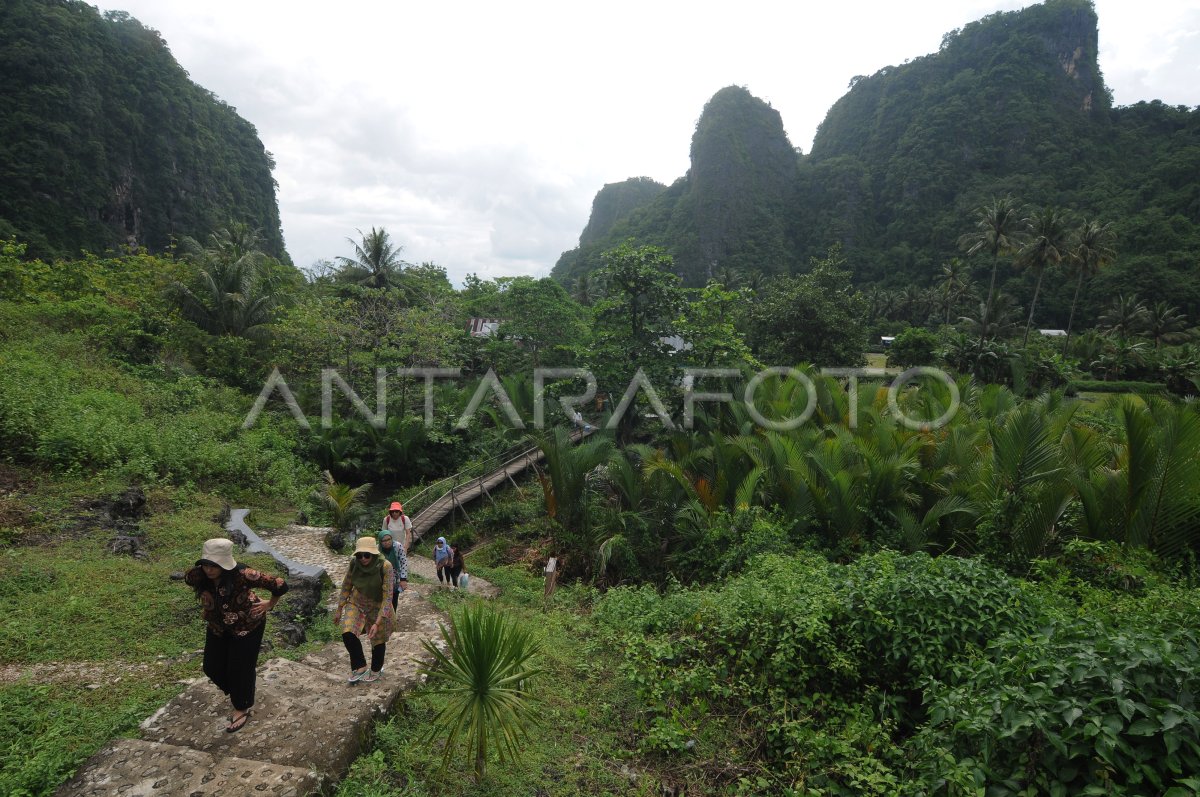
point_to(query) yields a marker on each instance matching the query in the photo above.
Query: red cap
(395, 505)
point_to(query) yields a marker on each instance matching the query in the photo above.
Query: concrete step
(136, 768)
(302, 717)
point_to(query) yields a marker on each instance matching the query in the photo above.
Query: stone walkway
(307, 544)
(307, 725)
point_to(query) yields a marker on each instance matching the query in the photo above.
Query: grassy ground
(586, 743)
(91, 643)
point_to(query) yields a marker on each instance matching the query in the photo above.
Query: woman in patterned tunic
(364, 608)
(235, 619)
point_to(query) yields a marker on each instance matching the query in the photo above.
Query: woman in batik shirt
(235, 619)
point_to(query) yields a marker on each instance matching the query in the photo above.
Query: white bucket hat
(218, 552)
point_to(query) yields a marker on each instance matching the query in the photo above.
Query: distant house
(676, 343)
(1053, 333)
(484, 327)
(886, 340)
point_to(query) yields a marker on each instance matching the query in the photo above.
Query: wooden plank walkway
(466, 489)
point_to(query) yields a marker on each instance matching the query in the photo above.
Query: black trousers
(357, 659)
(454, 573)
(230, 663)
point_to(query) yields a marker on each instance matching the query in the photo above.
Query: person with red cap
(395, 538)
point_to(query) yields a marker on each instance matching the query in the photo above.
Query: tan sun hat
(367, 545)
(218, 552)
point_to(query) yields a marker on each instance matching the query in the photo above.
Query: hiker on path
(364, 609)
(394, 553)
(399, 525)
(456, 564)
(442, 559)
(396, 526)
(235, 619)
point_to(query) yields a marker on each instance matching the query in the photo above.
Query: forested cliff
(1014, 104)
(105, 141)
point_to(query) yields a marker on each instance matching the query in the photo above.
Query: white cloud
(477, 133)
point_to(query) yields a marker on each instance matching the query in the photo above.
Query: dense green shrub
(61, 410)
(1115, 386)
(914, 616)
(907, 674)
(730, 540)
(1076, 709)
(913, 346)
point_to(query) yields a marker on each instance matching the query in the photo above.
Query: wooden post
(461, 508)
(551, 576)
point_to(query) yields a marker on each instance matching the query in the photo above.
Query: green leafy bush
(1077, 386)
(914, 616)
(906, 674)
(913, 346)
(70, 414)
(1076, 709)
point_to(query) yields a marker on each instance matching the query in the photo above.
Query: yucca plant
(484, 673)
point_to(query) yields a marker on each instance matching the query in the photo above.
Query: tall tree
(1091, 249)
(1047, 245)
(540, 314)
(999, 230)
(376, 262)
(634, 323)
(1164, 323)
(817, 317)
(956, 282)
(710, 325)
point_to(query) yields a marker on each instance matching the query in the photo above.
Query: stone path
(307, 544)
(307, 725)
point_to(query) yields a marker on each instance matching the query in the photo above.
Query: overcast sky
(478, 133)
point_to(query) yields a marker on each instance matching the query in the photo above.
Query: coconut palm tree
(999, 230)
(1091, 249)
(913, 306)
(589, 289)
(1048, 244)
(376, 262)
(956, 281)
(483, 667)
(1002, 321)
(1125, 317)
(1164, 323)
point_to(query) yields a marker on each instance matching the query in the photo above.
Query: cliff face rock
(729, 213)
(741, 184)
(1014, 103)
(105, 141)
(614, 202)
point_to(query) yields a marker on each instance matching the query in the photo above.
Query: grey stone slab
(136, 768)
(302, 717)
(256, 544)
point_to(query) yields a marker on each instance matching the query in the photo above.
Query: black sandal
(239, 723)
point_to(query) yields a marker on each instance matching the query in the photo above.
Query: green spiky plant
(345, 505)
(485, 673)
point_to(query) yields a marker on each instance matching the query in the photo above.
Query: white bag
(463, 581)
